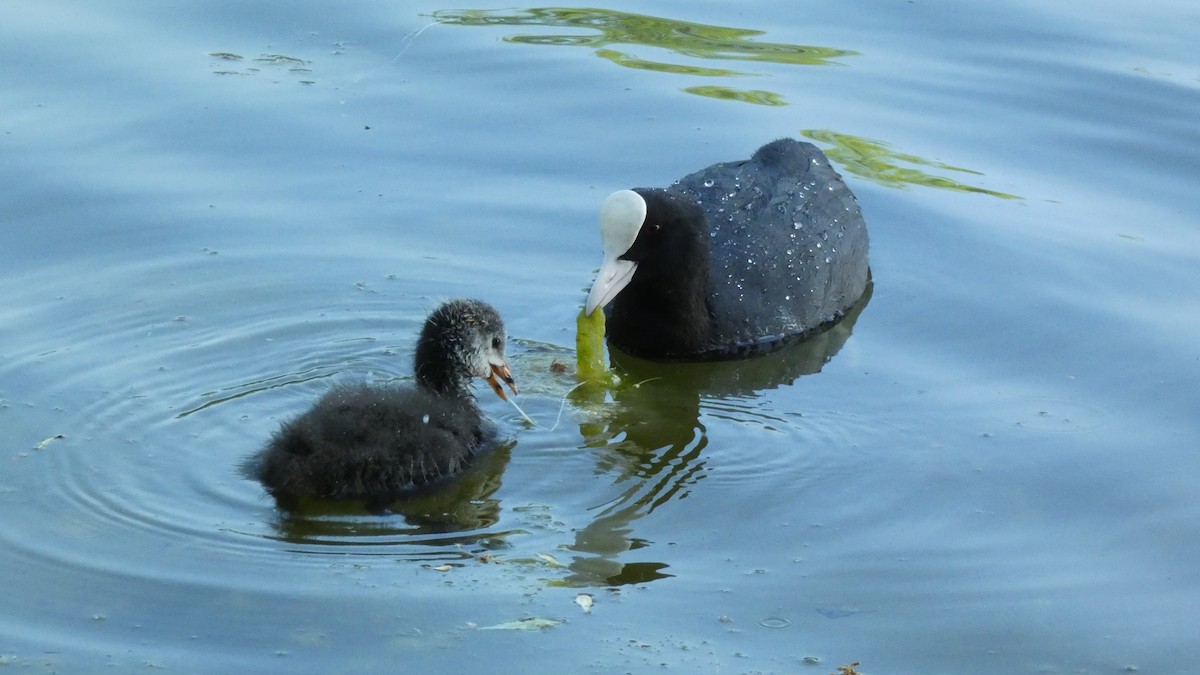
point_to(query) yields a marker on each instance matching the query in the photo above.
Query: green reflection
(755, 96)
(683, 38)
(644, 423)
(876, 161)
(623, 59)
(621, 28)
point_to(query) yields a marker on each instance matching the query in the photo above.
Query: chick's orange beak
(501, 372)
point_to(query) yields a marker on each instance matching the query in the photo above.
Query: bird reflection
(450, 512)
(654, 440)
(649, 439)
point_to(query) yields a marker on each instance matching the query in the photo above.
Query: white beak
(621, 218)
(614, 275)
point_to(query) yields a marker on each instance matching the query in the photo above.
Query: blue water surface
(211, 211)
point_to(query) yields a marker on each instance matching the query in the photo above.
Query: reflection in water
(462, 507)
(649, 440)
(654, 439)
(756, 96)
(694, 40)
(876, 161)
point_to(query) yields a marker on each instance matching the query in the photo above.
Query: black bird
(376, 443)
(732, 261)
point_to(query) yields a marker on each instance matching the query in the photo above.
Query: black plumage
(734, 260)
(376, 443)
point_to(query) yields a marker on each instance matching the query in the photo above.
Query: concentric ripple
(139, 411)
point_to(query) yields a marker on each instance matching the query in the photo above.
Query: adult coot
(734, 260)
(376, 443)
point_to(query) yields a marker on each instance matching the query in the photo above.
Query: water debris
(292, 64)
(282, 60)
(561, 406)
(48, 441)
(584, 600)
(848, 669)
(550, 560)
(527, 418)
(532, 623)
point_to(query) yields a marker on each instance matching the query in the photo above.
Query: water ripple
(154, 404)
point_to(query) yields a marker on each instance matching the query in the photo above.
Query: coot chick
(377, 443)
(732, 261)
